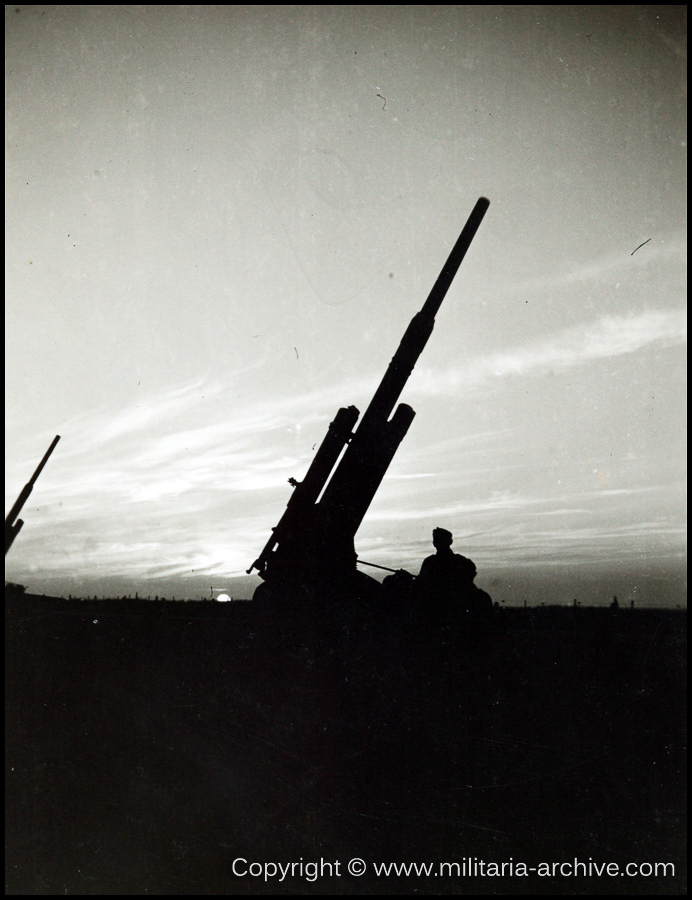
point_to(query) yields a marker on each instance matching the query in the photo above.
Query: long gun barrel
(374, 444)
(420, 328)
(13, 525)
(330, 523)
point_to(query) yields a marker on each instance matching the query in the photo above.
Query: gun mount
(13, 525)
(313, 544)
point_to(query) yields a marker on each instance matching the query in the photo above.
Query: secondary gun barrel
(13, 525)
(305, 493)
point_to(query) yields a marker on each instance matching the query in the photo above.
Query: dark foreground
(161, 748)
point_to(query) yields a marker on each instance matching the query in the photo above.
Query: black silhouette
(312, 547)
(13, 525)
(446, 572)
(398, 587)
(447, 578)
(146, 753)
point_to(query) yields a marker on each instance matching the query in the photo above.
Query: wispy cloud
(516, 541)
(181, 481)
(187, 481)
(669, 250)
(498, 501)
(607, 337)
(510, 503)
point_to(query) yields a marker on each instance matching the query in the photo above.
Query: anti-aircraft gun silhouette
(313, 544)
(13, 525)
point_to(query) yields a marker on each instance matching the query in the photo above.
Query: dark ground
(152, 744)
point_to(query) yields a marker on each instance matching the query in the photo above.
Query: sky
(219, 222)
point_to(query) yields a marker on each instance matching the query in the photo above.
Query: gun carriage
(313, 543)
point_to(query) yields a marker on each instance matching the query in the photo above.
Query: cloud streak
(668, 252)
(180, 481)
(185, 481)
(607, 337)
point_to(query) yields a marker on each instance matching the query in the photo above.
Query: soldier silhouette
(447, 577)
